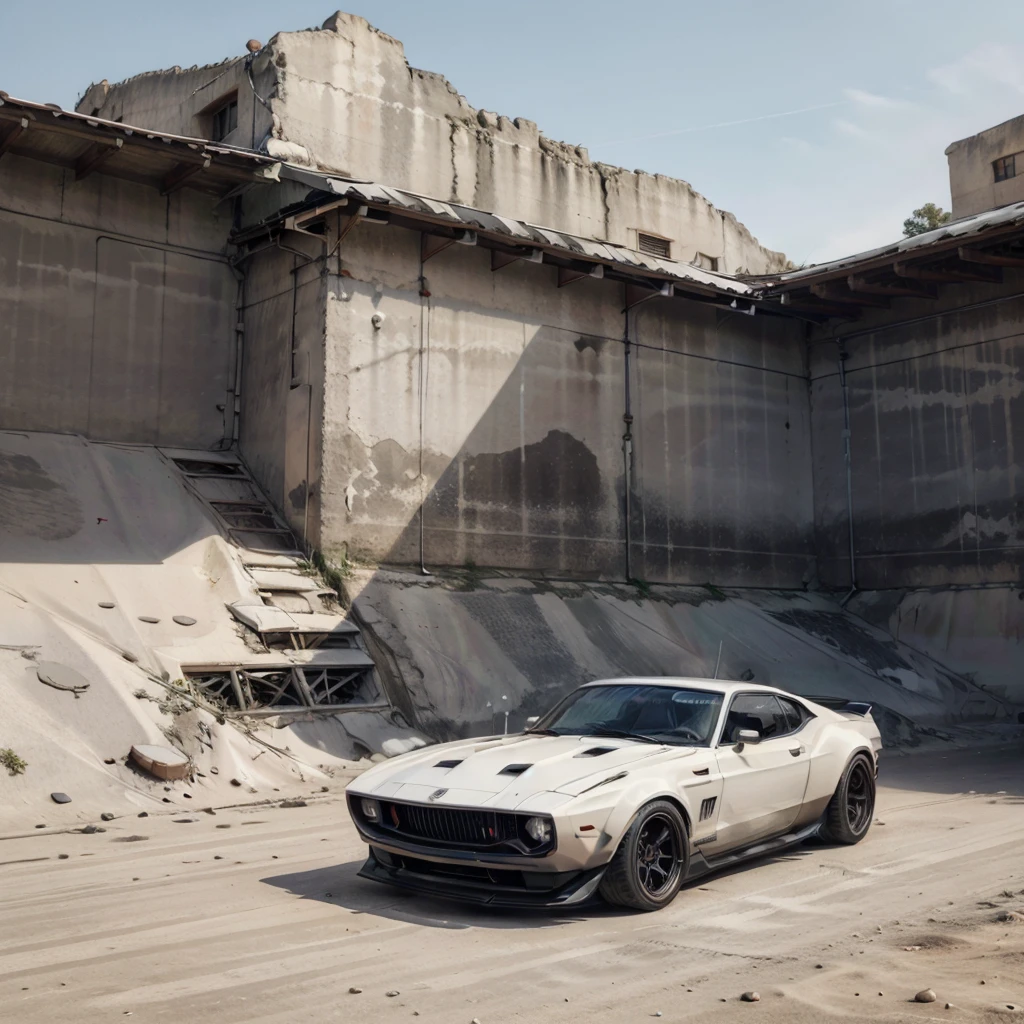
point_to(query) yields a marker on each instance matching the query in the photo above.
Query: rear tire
(852, 808)
(652, 859)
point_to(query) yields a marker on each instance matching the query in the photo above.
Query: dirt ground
(265, 922)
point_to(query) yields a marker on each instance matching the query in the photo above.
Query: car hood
(506, 771)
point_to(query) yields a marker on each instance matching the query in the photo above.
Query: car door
(763, 783)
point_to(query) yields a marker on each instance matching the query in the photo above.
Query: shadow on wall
(715, 487)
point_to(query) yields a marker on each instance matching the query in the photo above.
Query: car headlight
(539, 829)
(370, 809)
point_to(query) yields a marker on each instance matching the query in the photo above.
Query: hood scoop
(448, 764)
(514, 769)
(595, 751)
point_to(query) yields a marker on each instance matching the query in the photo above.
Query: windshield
(664, 714)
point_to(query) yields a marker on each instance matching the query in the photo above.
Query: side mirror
(744, 736)
(532, 721)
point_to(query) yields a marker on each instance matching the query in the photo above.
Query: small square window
(706, 262)
(1005, 167)
(654, 245)
(224, 120)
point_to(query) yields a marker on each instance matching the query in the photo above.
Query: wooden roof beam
(179, 176)
(567, 275)
(990, 259)
(12, 133)
(95, 155)
(987, 275)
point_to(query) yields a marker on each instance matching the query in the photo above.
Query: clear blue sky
(880, 86)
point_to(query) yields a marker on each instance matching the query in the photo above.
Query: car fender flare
(635, 797)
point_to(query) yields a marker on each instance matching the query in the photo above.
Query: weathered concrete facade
(473, 417)
(936, 434)
(117, 308)
(987, 170)
(344, 98)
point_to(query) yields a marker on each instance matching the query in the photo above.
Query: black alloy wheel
(651, 861)
(852, 807)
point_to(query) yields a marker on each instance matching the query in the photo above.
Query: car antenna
(719, 661)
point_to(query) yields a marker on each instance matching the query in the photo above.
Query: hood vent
(595, 751)
(514, 769)
(448, 764)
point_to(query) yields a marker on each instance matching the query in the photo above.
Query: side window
(796, 714)
(761, 712)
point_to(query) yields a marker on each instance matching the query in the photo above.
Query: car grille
(451, 826)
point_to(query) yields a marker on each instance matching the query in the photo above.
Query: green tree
(926, 218)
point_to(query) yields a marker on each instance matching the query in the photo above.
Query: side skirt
(703, 865)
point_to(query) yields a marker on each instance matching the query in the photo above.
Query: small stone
(325, 789)
(236, 782)
(297, 802)
(62, 856)
(754, 997)
(215, 771)
(926, 995)
(187, 796)
(151, 619)
(355, 991)
(209, 810)
(60, 798)
(224, 826)
(109, 760)
(167, 799)
(107, 816)
(40, 826)
(657, 1013)
(394, 992)
(184, 620)
(217, 856)
(107, 604)
(818, 967)
(88, 830)
(143, 814)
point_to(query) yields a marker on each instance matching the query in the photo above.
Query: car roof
(724, 686)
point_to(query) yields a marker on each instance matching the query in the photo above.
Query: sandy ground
(264, 922)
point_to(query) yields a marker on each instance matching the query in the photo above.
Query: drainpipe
(841, 357)
(424, 347)
(627, 449)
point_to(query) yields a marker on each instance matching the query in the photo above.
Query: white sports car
(628, 788)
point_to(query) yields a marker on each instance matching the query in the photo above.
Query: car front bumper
(477, 883)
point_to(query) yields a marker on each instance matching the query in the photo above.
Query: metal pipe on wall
(627, 445)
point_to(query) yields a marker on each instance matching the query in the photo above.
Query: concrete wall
(116, 309)
(346, 95)
(973, 630)
(282, 381)
(972, 181)
(937, 434)
(495, 404)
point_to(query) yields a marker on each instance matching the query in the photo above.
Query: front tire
(652, 859)
(852, 807)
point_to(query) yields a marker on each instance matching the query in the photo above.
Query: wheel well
(678, 804)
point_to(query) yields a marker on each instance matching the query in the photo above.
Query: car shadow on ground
(340, 886)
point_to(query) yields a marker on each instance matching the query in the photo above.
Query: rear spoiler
(841, 705)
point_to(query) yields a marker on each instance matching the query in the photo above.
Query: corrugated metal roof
(1006, 217)
(518, 232)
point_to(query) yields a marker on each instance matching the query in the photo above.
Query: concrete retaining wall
(116, 309)
(496, 405)
(937, 434)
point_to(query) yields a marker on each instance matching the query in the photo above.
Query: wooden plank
(949, 276)
(860, 284)
(991, 259)
(830, 293)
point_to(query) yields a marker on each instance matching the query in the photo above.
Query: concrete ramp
(118, 577)
(463, 651)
